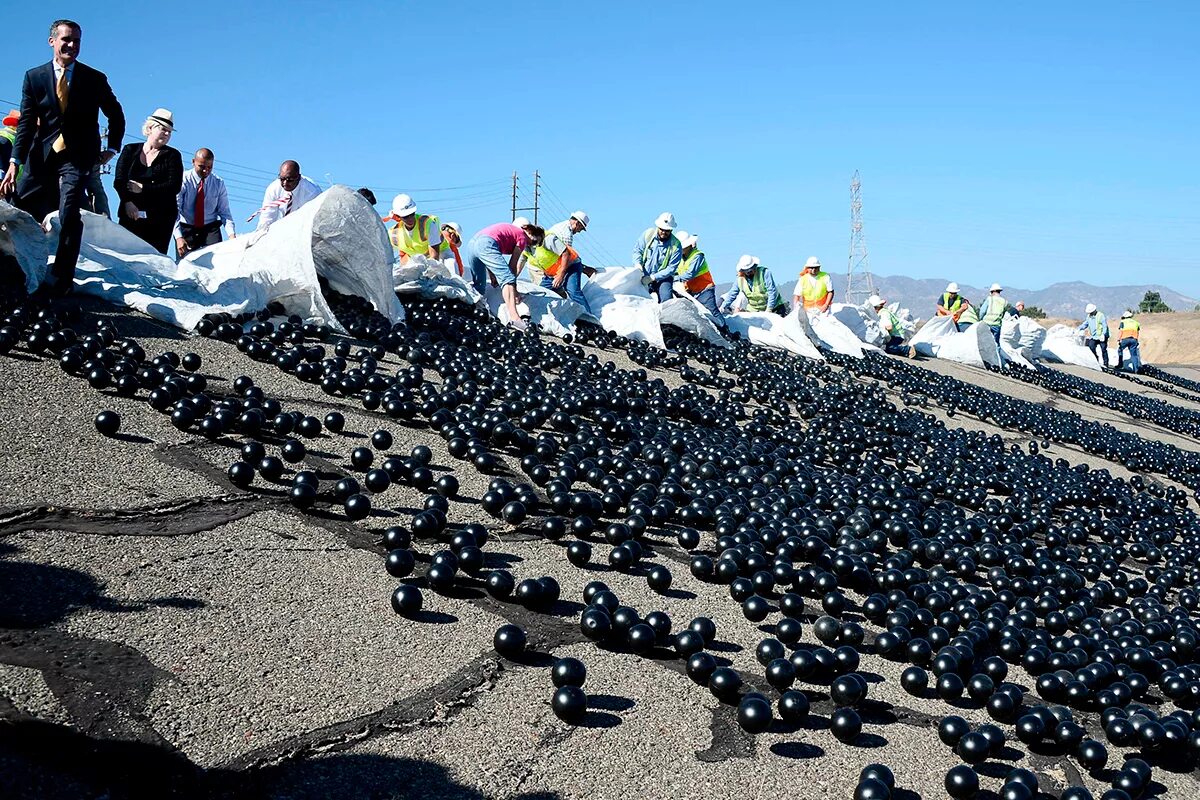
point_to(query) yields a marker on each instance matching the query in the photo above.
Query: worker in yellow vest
(695, 276)
(559, 263)
(414, 234)
(953, 304)
(1128, 334)
(892, 328)
(814, 288)
(755, 286)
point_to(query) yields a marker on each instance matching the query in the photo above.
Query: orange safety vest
(1129, 329)
(702, 281)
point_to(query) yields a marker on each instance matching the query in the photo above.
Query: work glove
(646, 281)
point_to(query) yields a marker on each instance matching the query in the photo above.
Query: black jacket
(42, 122)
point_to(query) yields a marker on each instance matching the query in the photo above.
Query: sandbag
(24, 241)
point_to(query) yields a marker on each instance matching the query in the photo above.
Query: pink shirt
(508, 236)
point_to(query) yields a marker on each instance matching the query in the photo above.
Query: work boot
(912, 351)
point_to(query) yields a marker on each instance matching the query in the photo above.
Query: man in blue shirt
(658, 254)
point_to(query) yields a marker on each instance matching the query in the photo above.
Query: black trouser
(1102, 345)
(201, 237)
(59, 182)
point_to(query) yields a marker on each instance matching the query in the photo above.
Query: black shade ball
(109, 422)
(407, 600)
(568, 672)
(509, 641)
(569, 704)
(754, 714)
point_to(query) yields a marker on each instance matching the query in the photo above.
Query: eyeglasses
(289, 179)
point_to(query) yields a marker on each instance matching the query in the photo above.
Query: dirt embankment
(1172, 338)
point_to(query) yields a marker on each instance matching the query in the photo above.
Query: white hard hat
(952, 288)
(746, 263)
(582, 218)
(454, 226)
(665, 221)
(403, 205)
(1089, 309)
(522, 222)
(996, 288)
(686, 239)
(1127, 315)
(875, 301)
(813, 261)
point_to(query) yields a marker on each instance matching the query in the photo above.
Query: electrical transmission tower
(859, 283)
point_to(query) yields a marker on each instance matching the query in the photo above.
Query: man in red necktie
(203, 207)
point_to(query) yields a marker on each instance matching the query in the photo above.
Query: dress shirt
(563, 231)
(305, 191)
(216, 203)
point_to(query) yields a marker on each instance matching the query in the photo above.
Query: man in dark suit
(58, 141)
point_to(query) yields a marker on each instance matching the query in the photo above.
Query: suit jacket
(42, 121)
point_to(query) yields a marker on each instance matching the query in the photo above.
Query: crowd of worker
(52, 150)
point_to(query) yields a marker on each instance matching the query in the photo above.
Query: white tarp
(1062, 346)
(337, 236)
(1021, 339)
(939, 338)
(555, 315)
(22, 238)
(686, 313)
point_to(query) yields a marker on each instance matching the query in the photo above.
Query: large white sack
(26, 242)
(1008, 353)
(836, 336)
(940, 338)
(1062, 346)
(555, 315)
(684, 312)
(975, 346)
(771, 330)
(432, 279)
(337, 235)
(863, 322)
(623, 305)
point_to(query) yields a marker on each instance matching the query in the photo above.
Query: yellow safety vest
(754, 290)
(416, 241)
(1129, 329)
(11, 135)
(702, 281)
(951, 307)
(897, 325)
(543, 258)
(814, 288)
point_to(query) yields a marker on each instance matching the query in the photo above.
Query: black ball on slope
(568, 672)
(509, 641)
(108, 422)
(407, 600)
(569, 704)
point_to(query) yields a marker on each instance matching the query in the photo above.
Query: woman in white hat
(147, 179)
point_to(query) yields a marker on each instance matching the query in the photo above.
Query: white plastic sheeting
(827, 330)
(432, 279)
(623, 305)
(1062, 345)
(939, 338)
(23, 239)
(338, 236)
(1021, 339)
(861, 320)
(771, 330)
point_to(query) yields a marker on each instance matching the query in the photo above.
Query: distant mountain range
(1058, 300)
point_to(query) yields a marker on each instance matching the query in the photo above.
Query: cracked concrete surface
(160, 625)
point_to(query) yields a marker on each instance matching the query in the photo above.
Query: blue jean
(995, 332)
(662, 289)
(1102, 344)
(896, 346)
(708, 299)
(481, 256)
(572, 283)
(1135, 354)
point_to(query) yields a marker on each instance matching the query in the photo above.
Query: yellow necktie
(60, 145)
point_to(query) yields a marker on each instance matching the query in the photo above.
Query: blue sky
(1021, 142)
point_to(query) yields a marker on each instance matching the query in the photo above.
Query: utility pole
(514, 196)
(859, 282)
(537, 196)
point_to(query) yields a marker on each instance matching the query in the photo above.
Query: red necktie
(198, 215)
